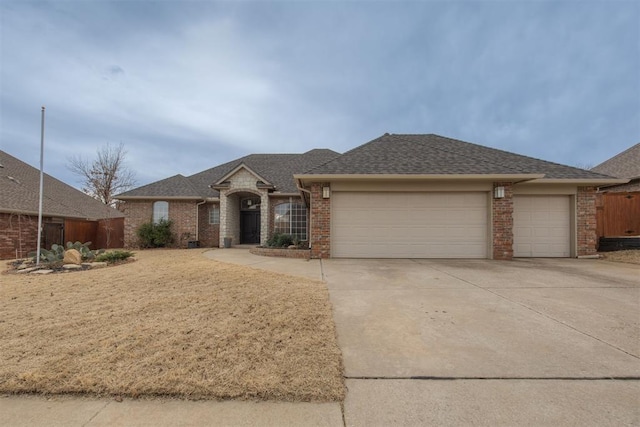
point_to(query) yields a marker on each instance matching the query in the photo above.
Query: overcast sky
(188, 85)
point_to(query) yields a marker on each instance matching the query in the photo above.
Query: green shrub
(279, 240)
(114, 256)
(155, 235)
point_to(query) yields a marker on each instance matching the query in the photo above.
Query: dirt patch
(171, 324)
(629, 256)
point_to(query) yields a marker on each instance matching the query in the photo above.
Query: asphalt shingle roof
(20, 193)
(277, 169)
(623, 165)
(409, 154)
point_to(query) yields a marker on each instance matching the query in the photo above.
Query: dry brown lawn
(173, 323)
(631, 256)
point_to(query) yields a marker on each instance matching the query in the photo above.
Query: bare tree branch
(105, 176)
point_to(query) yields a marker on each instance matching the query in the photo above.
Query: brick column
(320, 238)
(586, 220)
(502, 217)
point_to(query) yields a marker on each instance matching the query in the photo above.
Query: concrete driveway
(527, 342)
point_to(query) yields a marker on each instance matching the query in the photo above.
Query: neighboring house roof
(277, 169)
(623, 165)
(20, 193)
(401, 154)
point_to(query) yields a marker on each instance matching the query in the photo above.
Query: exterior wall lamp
(326, 192)
(498, 193)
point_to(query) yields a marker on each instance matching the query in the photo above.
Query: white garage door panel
(541, 226)
(409, 225)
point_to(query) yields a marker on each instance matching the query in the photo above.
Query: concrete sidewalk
(310, 269)
(37, 411)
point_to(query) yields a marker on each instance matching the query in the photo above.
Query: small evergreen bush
(114, 256)
(280, 240)
(155, 235)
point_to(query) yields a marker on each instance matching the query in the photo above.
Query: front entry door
(250, 227)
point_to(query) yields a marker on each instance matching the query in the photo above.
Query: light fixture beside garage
(498, 193)
(326, 192)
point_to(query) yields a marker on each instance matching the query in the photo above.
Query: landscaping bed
(282, 252)
(629, 256)
(173, 323)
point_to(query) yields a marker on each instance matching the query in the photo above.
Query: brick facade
(183, 215)
(502, 222)
(586, 221)
(18, 235)
(136, 212)
(320, 235)
(208, 234)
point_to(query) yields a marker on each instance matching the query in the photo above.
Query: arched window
(160, 211)
(291, 218)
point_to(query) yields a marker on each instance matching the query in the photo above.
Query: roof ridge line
(462, 154)
(520, 155)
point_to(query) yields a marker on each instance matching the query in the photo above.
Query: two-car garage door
(409, 225)
(443, 225)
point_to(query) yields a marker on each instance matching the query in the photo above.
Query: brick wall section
(181, 212)
(18, 235)
(502, 222)
(208, 234)
(320, 239)
(136, 213)
(586, 220)
(183, 216)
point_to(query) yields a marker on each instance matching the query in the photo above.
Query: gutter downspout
(301, 189)
(198, 219)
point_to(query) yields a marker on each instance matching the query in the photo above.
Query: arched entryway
(242, 212)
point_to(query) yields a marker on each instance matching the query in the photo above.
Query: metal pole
(41, 185)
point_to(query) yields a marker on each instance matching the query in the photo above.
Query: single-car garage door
(541, 226)
(409, 225)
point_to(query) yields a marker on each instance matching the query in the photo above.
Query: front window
(291, 218)
(214, 215)
(160, 211)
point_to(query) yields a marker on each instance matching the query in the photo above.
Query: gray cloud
(206, 82)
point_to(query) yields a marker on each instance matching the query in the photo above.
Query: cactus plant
(56, 253)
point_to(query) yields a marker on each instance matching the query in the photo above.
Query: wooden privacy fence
(618, 214)
(103, 234)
